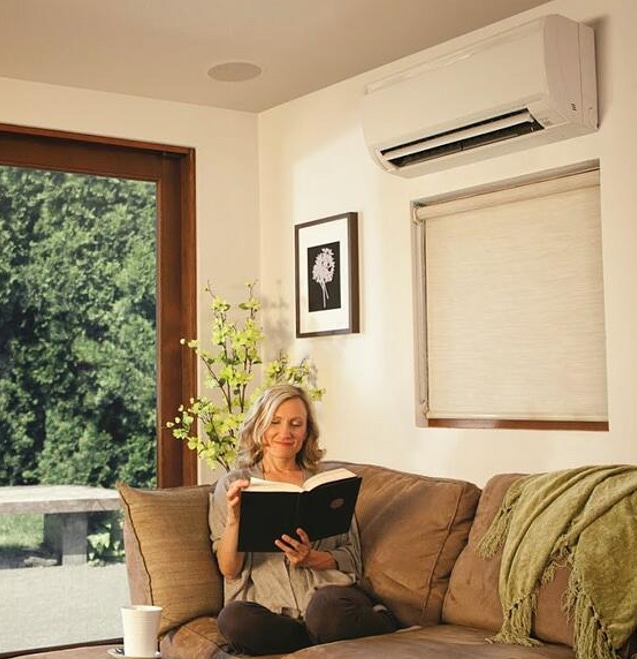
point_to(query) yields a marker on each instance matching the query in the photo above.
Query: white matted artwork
(326, 256)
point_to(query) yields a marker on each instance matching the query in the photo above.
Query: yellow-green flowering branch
(210, 425)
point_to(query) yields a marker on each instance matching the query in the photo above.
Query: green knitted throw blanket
(586, 518)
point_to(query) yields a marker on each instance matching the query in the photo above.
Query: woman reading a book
(300, 592)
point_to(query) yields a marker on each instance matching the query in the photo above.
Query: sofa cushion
(412, 529)
(437, 642)
(168, 552)
(473, 598)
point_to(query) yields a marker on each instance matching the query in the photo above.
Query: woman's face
(285, 435)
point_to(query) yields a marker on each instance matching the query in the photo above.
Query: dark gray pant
(333, 614)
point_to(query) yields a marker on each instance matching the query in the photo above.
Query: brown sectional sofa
(419, 538)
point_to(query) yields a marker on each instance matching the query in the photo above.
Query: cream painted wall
(313, 163)
(226, 163)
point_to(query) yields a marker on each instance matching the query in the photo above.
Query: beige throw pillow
(168, 552)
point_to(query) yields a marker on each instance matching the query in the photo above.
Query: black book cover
(323, 510)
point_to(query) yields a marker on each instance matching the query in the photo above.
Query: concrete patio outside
(60, 605)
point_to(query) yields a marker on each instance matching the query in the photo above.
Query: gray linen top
(267, 578)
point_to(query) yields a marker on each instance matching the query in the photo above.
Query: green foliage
(105, 539)
(229, 373)
(77, 329)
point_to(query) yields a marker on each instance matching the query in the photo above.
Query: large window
(172, 169)
(98, 260)
(510, 306)
(77, 329)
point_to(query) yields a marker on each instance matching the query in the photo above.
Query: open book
(323, 506)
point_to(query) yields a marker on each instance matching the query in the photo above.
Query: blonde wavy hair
(259, 417)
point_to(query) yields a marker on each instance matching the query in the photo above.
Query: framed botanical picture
(327, 300)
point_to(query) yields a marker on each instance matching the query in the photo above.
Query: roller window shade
(514, 304)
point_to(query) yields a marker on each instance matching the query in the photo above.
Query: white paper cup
(141, 626)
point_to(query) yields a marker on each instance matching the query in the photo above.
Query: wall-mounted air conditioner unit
(530, 85)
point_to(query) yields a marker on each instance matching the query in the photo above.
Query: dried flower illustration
(323, 271)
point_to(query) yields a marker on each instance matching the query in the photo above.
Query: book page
(262, 485)
(327, 477)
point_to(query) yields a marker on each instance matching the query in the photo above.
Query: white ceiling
(163, 48)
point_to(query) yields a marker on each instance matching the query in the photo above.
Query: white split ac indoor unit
(530, 85)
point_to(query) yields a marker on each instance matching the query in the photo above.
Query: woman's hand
(229, 558)
(296, 550)
(299, 552)
(233, 495)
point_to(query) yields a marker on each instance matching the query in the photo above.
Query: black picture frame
(327, 284)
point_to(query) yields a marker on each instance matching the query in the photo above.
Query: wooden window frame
(172, 168)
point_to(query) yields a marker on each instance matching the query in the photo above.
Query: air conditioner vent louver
(481, 133)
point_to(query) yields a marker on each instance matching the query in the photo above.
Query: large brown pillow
(413, 528)
(168, 552)
(473, 599)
